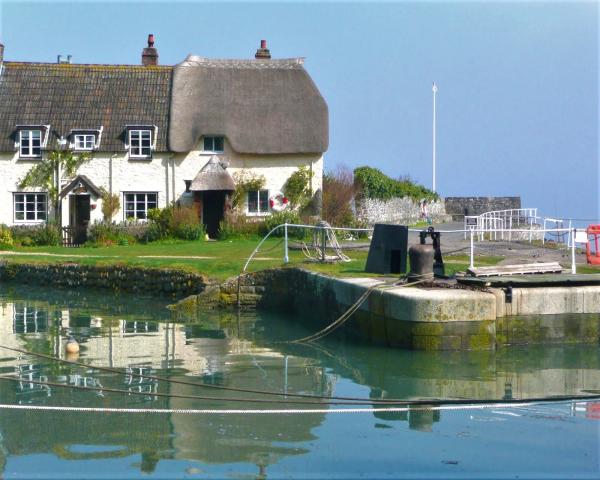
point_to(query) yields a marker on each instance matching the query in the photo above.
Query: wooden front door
(79, 217)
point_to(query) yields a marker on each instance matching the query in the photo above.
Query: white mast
(434, 89)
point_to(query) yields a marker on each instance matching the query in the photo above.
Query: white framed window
(140, 143)
(30, 207)
(84, 141)
(30, 143)
(214, 144)
(258, 201)
(137, 204)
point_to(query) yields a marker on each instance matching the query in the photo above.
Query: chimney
(150, 54)
(263, 52)
(1, 53)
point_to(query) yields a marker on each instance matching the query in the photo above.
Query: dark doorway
(80, 217)
(213, 211)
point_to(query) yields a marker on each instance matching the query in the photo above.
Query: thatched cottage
(157, 134)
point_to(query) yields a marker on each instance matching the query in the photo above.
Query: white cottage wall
(275, 168)
(164, 173)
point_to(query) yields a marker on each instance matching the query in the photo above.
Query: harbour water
(157, 427)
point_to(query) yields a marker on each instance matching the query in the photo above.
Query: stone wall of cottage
(164, 174)
(404, 211)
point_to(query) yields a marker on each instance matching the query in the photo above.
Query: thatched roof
(260, 106)
(213, 176)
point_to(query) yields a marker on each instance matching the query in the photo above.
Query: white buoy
(72, 346)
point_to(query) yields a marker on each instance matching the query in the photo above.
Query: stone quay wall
(163, 282)
(403, 211)
(458, 207)
(416, 318)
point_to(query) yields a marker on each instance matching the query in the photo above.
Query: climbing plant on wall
(297, 188)
(48, 172)
(245, 181)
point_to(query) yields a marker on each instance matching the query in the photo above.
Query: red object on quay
(593, 258)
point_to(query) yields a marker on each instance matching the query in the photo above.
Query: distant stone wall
(164, 282)
(404, 211)
(460, 206)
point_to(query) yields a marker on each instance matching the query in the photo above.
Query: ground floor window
(258, 201)
(30, 207)
(137, 204)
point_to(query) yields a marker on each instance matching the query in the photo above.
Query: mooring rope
(429, 403)
(331, 237)
(353, 308)
(287, 411)
(183, 382)
(189, 397)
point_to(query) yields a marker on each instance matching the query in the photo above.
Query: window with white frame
(137, 204)
(258, 201)
(214, 144)
(140, 143)
(30, 143)
(84, 141)
(30, 207)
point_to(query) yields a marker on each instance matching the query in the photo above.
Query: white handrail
(472, 232)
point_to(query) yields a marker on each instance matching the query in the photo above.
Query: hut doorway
(211, 187)
(213, 211)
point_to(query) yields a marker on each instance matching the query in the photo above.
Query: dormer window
(214, 144)
(84, 141)
(30, 143)
(31, 140)
(141, 140)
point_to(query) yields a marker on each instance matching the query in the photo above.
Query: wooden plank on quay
(523, 269)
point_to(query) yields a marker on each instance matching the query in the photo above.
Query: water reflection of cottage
(143, 346)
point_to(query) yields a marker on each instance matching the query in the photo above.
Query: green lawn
(224, 258)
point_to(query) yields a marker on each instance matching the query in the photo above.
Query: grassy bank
(219, 260)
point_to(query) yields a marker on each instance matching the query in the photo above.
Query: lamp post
(434, 90)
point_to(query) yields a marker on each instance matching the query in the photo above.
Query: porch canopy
(81, 184)
(213, 176)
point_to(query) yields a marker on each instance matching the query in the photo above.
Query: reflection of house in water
(143, 346)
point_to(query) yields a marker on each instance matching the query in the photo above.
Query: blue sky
(517, 105)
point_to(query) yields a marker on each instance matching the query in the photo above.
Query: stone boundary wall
(458, 207)
(163, 282)
(403, 211)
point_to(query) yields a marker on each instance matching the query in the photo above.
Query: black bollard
(421, 262)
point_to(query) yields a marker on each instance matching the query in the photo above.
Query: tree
(49, 171)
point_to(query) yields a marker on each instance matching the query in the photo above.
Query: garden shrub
(372, 183)
(174, 222)
(279, 218)
(6, 238)
(43, 234)
(239, 226)
(48, 234)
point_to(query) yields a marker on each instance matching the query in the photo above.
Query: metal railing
(502, 221)
(472, 231)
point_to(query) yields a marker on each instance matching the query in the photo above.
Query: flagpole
(434, 90)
